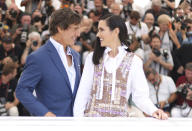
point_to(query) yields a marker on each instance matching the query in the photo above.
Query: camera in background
(24, 33)
(35, 43)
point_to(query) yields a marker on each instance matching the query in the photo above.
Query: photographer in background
(33, 43)
(38, 21)
(128, 7)
(8, 51)
(158, 58)
(20, 31)
(162, 90)
(7, 90)
(184, 94)
(187, 32)
(168, 5)
(46, 8)
(13, 15)
(136, 27)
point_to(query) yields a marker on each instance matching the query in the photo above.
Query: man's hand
(50, 114)
(162, 104)
(189, 94)
(180, 70)
(9, 105)
(160, 114)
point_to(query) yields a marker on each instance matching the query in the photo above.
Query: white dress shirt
(69, 69)
(136, 83)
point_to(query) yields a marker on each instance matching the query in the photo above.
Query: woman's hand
(160, 114)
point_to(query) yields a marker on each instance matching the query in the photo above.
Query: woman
(110, 74)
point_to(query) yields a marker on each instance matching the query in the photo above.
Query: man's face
(7, 47)
(116, 9)
(189, 27)
(156, 43)
(153, 79)
(163, 27)
(109, 2)
(69, 35)
(134, 21)
(26, 20)
(149, 20)
(156, 8)
(98, 5)
(188, 75)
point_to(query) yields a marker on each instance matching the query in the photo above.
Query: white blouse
(136, 83)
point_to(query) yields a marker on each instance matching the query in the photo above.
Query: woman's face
(105, 34)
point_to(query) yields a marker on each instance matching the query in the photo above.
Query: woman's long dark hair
(112, 21)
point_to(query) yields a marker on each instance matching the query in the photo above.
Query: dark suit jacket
(44, 72)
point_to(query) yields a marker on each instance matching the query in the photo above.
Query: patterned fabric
(105, 107)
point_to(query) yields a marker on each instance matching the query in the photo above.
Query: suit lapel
(77, 70)
(57, 61)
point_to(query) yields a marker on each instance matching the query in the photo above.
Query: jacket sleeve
(27, 83)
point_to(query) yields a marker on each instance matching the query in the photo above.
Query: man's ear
(116, 31)
(59, 29)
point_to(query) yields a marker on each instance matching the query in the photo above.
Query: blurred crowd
(160, 34)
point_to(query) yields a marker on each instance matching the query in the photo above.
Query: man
(8, 51)
(53, 71)
(116, 8)
(99, 9)
(20, 31)
(162, 89)
(136, 27)
(184, 95)
(7, 89)
(149, 21)
(158, 58)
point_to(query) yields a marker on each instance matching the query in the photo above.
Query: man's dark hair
(112, 21)
(63, 18)
(135, 15)
(9, 68)
(155, 36)
(149, 71)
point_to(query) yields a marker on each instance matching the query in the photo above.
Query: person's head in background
(164, 22)
(109, 3)
(64, 26)
(155, 42)
(188, 72)
(13, 12)
(149, 20)
(78, 8)
(116, 8)
(35, 38)
(7, 43)
(156, 5)
(179, 12)
(86, 24)
(134, 18)
(9, 71)
(112, 33)
(152, 76)
(98, 5)
(26, 19)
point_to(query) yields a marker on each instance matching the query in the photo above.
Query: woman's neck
(114, 48)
